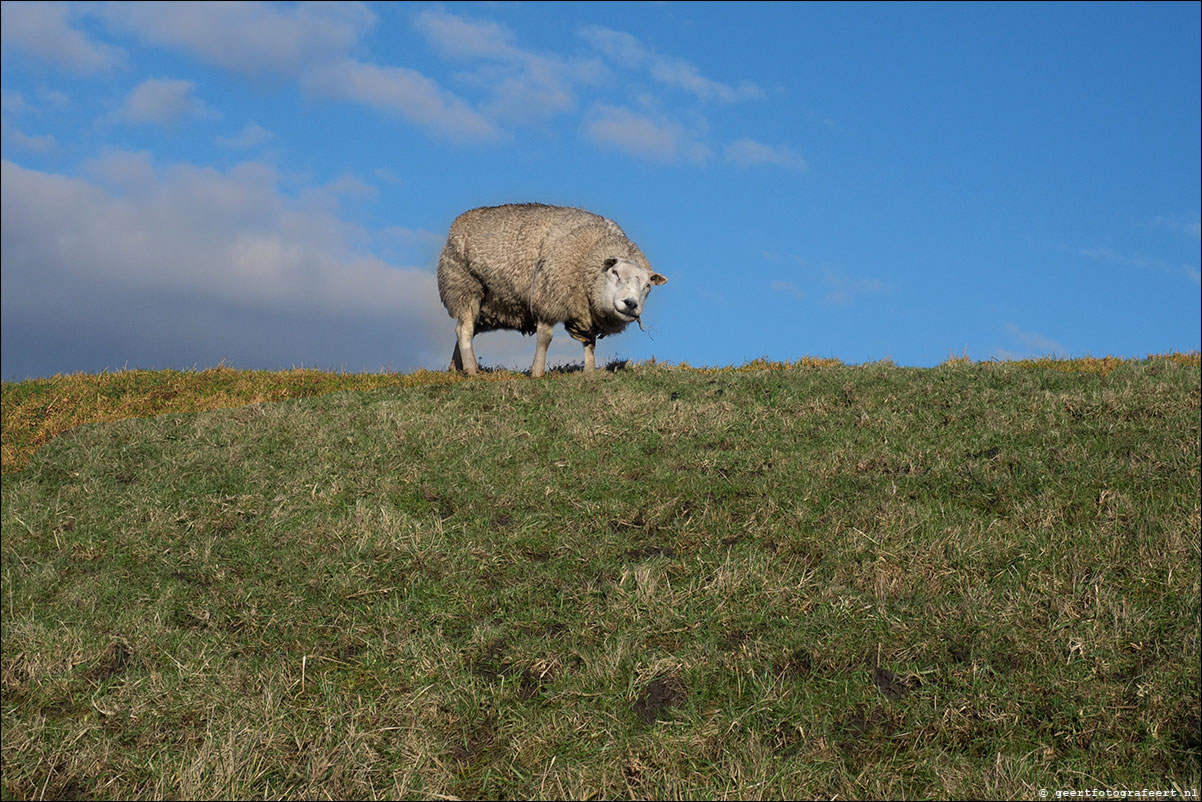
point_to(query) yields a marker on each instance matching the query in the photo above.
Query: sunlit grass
(36, 410)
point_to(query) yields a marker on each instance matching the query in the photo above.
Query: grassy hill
(786, 581)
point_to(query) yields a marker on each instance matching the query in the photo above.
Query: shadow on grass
(613, 366)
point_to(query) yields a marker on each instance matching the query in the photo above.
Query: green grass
(976, 580)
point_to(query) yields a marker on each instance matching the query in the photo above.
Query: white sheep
(527, 266)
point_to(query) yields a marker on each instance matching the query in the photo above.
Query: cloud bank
(185, 266)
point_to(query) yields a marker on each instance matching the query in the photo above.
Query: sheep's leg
(543, 335)
(590, 361)
(464, 358)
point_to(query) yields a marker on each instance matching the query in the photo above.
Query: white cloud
(14, 102)
(655, 134)
(251, 136)
(535, 91)
(193, 265)
(413, 246)
(43, 30)
(525, 85)
(749, 153)
(411, 235)
(1106, 254)
(1103, 254)
(620, 46)
(122, 171)
(54, 98)
(659, 140)
(31, 143)
(1190, 228)
(843, 289)
(629, 52)
(424, 245)
(682, 74)
(1035, 342)
(787, 288)
(458, 37)
(328, 198)
(401, 91)
(162, 101)
(309, 43)
(387, 176)
(249, 38)
(11, 101)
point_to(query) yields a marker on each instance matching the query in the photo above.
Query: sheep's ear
(657, 279)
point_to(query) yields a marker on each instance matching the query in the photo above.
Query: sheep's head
(626, 286)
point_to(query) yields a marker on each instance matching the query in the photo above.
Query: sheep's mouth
(627, 316)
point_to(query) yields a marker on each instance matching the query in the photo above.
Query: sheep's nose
(630, 304)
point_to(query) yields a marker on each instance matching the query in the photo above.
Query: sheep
(528, 266)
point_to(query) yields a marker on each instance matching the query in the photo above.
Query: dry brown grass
(37, 410)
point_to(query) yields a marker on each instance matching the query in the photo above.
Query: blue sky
(269, 185)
